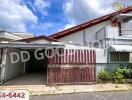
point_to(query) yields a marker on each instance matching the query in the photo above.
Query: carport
(73, 65)
(31, 72)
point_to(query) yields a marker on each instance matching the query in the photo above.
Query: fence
(72, 66)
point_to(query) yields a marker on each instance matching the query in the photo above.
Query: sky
(45, 17)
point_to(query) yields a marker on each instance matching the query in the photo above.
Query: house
(112, 33)
(12, 36)
(72, 56)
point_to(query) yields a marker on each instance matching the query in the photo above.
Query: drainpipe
(84, 37)
(108, 57)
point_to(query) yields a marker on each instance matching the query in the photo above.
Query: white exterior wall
(101, 34)
(112, 32)
(91, 32)
(101, 56)
(73, 38)
(13, 70)
(101, 60)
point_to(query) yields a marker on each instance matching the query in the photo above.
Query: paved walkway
(66, 89)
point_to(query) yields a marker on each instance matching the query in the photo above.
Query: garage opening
(35, 70)
(36, 66)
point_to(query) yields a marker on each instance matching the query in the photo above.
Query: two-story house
(112, 33)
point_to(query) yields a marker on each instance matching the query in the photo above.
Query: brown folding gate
(72, 66)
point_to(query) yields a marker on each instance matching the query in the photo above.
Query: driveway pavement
(28, 79)
(68, 89)
(124, 95)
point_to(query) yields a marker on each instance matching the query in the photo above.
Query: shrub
(112, 77)
(119, 78)
(119, 75)
(129, 72)
(104, 76)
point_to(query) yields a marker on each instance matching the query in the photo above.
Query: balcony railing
(126, 33)
(113, 32)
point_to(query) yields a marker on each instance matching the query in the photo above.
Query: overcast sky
(50, 16)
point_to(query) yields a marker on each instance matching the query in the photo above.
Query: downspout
(108, 58)
(84, 38)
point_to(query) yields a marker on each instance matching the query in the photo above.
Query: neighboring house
(39, 39)
(24, 35)
(88, 48)
(11, 36)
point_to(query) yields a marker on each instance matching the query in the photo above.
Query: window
(124, 56)
(119, 56)
(114, 56)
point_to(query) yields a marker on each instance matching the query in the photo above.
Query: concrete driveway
(68, 89)
(28, 79)
(124, 95)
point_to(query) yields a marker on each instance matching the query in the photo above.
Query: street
(123, 95)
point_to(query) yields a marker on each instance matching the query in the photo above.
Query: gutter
(28, 45)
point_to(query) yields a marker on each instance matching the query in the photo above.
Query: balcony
(107, 32)
(111, 32)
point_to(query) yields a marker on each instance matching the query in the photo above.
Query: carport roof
(28, 45)
(38, 38)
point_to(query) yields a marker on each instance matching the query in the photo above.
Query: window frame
(119, 58)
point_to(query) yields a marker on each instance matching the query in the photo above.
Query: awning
(121, 48)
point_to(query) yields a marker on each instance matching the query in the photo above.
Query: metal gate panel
(73, 67)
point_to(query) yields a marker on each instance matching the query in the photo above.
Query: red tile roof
(38, 38)
(88, 24)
